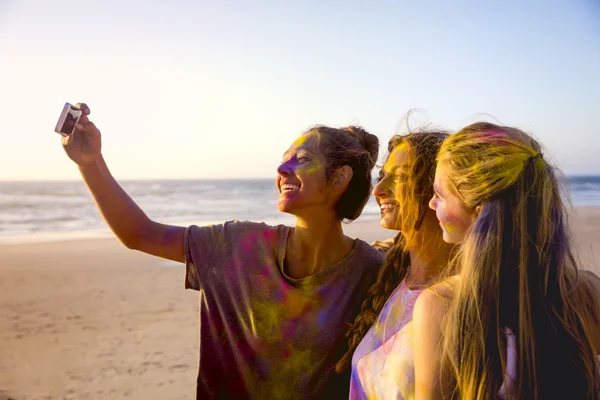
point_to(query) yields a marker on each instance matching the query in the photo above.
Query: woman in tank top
(381, 337)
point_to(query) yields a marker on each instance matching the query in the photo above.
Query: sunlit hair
(355, 147)
(415, 188)
(517, 270)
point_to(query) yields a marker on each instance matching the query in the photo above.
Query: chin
(290, 208)
(387, 225)
(389, 222)
(449, 239)
(285, 209)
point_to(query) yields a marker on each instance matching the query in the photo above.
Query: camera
(69, 117)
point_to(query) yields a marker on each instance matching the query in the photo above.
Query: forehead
(398, 157)
(441, 178)
(306, 142)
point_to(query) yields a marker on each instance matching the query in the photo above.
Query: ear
(478, 210)
(342, 177)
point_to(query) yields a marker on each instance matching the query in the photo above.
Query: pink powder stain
(286, 353)
(249, 241)
(270, 236)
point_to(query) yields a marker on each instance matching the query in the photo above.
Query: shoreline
(106, 233)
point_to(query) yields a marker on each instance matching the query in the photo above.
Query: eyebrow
(391, 170)
(298, 149)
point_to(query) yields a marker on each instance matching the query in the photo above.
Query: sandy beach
(90, 319)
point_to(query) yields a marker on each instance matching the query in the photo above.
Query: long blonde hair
(416, 190)
(517, 270)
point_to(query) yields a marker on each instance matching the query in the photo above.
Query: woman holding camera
(274, 301)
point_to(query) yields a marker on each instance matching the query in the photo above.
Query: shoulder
(235, 227)
(588, 288)
(368, 259)
(235, 234)
(591, 279)
(433, 302)
(366, 251)
(589, 293)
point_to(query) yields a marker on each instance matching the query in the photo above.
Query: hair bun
(367, 140)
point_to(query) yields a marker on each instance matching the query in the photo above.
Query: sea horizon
(568, 176)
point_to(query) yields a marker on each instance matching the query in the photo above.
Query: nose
(284, 169)
(433, 203)
(379, 189)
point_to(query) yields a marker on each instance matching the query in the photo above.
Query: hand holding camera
(80, 137)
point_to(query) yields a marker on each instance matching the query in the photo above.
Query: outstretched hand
(84, 145)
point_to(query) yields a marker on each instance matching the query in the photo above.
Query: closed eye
(400, 178)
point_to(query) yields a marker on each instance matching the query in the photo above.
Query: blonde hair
(517, 270)
(415, 193)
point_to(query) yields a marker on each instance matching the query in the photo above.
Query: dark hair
(417, 191)
(355, 147)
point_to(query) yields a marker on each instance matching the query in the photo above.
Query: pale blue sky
(198, 89)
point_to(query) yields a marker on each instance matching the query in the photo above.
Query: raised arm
(129, 223)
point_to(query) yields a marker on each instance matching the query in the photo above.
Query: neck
(429, 254)
(317, 242)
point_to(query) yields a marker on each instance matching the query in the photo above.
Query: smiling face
(455, 218)
(388, 188)
(301, 179)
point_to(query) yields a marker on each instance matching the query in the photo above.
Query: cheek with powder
(310, 167)
(452, 223)
(449, 228)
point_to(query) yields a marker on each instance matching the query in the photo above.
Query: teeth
(287, 187)
(387, 206)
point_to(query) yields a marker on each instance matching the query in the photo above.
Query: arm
(125, 218)
(428, 314)
(129, 223)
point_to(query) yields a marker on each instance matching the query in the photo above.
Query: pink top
(382, 365)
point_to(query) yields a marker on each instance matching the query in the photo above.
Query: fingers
(383, 246)
(87, 126)
(85, 112)
(84, 107)
(66, 140)
(382, 250)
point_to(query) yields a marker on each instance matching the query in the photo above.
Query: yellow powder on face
(397, 156)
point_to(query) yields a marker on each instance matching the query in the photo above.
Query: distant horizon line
(206, 179)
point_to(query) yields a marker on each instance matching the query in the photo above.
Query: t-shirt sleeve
(199, 246)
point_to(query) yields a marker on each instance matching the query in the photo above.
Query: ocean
(59, 210)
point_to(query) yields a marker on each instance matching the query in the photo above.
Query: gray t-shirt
(264, 335)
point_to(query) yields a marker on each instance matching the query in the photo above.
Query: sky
(220, 89)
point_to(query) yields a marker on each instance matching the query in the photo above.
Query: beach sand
(90, 319)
